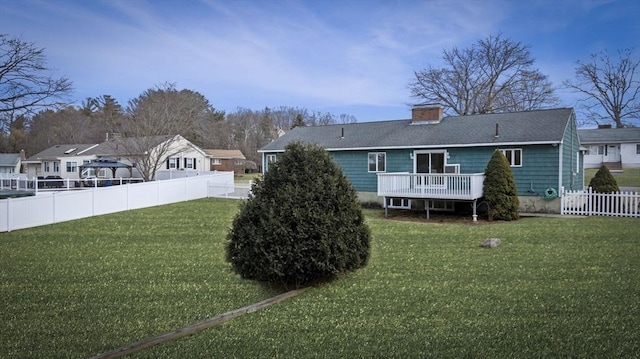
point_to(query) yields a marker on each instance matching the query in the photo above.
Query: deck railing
(437, 186)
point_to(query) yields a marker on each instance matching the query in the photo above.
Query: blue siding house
(436, 161)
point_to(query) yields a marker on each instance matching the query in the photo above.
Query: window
(72, 166)
(270, 159)
(637, 149)
(216, 161)
(173, 162)
(190, 163)
(403, 203)
(56, 166)
(47, 166)
(377, 161)
(514, 156)
(598, 150)
(442, 206)
(239, 162)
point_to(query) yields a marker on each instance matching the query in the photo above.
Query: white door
(612, 154)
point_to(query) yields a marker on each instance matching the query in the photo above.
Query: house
(67, 161)
(226, 160)
(60, 160)
(440, 161)
(11, 163)
(617, 148)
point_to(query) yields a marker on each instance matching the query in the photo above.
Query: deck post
(386, 211)
(475, 216)
(426, 207)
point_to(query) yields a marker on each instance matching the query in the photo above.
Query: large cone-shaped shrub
(303, 224)
(604, 182)
(500, 189)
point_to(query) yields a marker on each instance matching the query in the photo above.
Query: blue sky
(353, 57)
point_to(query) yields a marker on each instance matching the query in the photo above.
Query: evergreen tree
(603, 181)
(500, 189)
(303, 224)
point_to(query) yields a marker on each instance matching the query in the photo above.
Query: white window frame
(637, 149)
(272, 158)
(401, 203)
(46, 166)
(72, 166)
(376, 162)
(174, 163)
(189, 162)
(511, 158)
(56, 166)
(216, 161)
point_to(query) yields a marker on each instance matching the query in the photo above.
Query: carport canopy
(107, 162)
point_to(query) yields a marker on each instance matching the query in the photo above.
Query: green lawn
(556, 287)
(630, 177)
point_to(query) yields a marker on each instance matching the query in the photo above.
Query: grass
(629, 178)
(556, 287)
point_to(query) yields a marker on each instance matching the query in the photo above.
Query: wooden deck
(444, 186)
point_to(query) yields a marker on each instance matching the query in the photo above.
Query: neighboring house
(226, 160)
(66, 161)
(617, 148)
(60, 160)
(10, 163)
(436, 161)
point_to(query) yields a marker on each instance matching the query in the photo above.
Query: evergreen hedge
(303, 223)
(603, 181)
(500, 189)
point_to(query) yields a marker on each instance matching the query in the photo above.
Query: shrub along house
(434, 161)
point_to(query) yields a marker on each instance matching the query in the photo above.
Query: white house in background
(617, 148)
(60, 160)
(10, 163)
(66, 160)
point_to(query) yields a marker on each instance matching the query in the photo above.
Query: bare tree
(493, 75)
(609, 88)
(153, 122)
(26, 83)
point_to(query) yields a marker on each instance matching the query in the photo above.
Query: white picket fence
(53, 207)
(589, 203)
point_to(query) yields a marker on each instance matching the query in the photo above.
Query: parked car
(53, 182)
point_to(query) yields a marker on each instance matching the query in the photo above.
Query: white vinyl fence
(229, 190)
(589, 203)
(53, 207)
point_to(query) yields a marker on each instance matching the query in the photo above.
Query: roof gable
(540, 126)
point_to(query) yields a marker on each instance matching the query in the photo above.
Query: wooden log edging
(196, 327)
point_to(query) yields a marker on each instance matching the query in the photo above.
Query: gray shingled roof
(540, 126)
(59, 150)
(9, 159)
(609, 135)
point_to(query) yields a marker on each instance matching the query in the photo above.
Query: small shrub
(603, 181)
(303, 224)
(500, 191)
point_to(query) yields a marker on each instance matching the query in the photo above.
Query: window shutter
(194, 163)
(185, 163)
(167, 163)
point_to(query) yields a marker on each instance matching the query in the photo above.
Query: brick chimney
(426, 114)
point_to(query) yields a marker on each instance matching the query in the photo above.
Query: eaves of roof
(529, 127)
